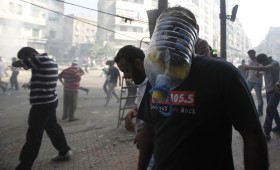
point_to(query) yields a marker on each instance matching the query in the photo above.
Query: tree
(94, 50)
(108, 51)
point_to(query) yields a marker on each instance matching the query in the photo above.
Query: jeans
(41, 117)
(13, 80)
(106, 86)
(258, 89)
(70, 99)
(111, 91)
(273, 99)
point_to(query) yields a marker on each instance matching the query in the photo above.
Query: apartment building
(120, 31)
(23, 24)
(79, 32)
(237, 42)
(204, 10)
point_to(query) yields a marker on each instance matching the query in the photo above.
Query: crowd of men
(213, 98)
(261, 66)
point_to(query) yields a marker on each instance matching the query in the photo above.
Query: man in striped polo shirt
(70, 78)
(43, 100)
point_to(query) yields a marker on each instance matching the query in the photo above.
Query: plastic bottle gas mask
(169, 56)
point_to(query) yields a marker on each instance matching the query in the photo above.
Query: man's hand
(245, 67)
(277, 88)
(258, 73)
(129, 125)
(17, 64)
(136, 139)
(26, 86)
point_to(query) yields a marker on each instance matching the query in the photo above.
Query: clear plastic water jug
(169, 55)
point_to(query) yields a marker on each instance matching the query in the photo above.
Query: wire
(125, 18)
(81, 20)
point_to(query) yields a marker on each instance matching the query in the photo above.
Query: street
(96, 141)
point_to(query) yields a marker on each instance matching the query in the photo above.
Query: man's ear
(139, 64)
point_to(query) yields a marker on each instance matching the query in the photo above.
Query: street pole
(223, 18)
(162, 5)
(155, 13)
(142, 41)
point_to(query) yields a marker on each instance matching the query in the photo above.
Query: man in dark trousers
(42, 115)
(70, 78)
(13, 78)
(198, 132)
(114, 75)
(271, 70)
(254, 80)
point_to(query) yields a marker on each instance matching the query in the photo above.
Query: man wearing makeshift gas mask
(193, 103)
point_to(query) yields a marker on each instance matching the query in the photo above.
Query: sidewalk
(112, 150)
(96, 141)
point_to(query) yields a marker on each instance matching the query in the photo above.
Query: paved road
(96, 141)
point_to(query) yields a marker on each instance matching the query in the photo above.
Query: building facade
(23, 24)
(79, 34)
(118, 30)
(206, 12)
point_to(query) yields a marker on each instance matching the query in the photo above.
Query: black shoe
(67, 156)
(72, 119)
(276, 129)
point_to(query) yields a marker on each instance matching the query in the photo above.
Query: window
(11, 7)
(138, 29)
(19, 10)
(123, 28)
(35, 13)
(52, 35)
(35, 33)
(134, 29)
(53, 17)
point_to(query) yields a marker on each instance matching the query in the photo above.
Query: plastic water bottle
(169, 55)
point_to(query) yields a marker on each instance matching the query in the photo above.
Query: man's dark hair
(262, 58)
(129, 53)
(251, 52)
(26, 51)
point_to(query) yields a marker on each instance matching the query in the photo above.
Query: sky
(256, 16)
